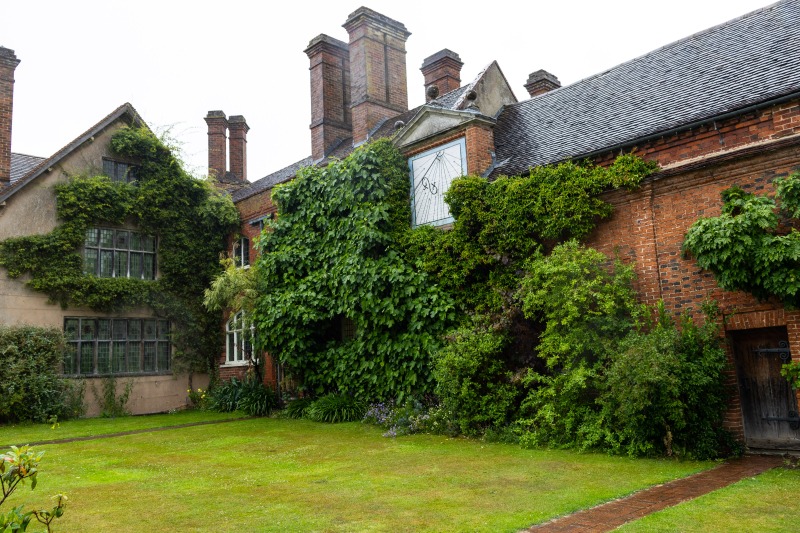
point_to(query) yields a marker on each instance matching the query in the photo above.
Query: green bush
(334, 408)
(298, 408)
(473, 382)
(588, 306)
(665, 391)
(250, 396)
(30, 388)
(17, 466)
(256, 399)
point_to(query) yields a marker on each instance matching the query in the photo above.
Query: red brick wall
(251, 208)
(480, 145)
(648, 226)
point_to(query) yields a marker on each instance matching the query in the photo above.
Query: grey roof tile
(743, 62)
(21, 164)
(270, 180)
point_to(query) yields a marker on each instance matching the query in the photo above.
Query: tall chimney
(237, 140)
(541, 82)
(442, 73)
(8, 63)
(217, 145)
(331, 120)
(377, 69)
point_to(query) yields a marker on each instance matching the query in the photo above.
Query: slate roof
(747, 61)
(21, 164)
(269, 181)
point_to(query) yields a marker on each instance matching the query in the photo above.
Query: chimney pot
(442, 72)
(8, 64)
(541, 82)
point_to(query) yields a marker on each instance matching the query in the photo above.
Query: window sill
(234, 364)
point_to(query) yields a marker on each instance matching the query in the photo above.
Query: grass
(295, 475)
(27, 433)
(764, 503)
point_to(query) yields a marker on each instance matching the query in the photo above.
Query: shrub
(410, 417)
(588, 306)
(256, 399)
(250, 396)
(335, 408)
(298, 408)
(473, 382)
(30, 388)
(665, 392)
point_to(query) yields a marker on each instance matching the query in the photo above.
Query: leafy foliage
(474, 382)
(334, 408)
(665, 391)
(189, 218)
(30, 388)
(331, 259)
(249, 396)
(17, 466)
(752, 246)
(112, 404)
(587, 308)
(500, 224)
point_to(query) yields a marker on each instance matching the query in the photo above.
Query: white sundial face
(431, 175)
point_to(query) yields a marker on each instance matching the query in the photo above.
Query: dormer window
(118, 171)
(241, 252)
(432, 172)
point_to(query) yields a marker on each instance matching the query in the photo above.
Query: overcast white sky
(174, 60)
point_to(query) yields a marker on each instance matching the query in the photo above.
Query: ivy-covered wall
(189, 219)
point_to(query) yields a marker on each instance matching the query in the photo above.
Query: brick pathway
(611, 515)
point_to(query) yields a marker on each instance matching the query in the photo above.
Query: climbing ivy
(188, 217)
(500, 224)
(331, 260)
(753, 245)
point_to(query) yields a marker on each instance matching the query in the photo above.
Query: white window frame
(240, 252)
(239, 334)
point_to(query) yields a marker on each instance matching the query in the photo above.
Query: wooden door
(769, 406)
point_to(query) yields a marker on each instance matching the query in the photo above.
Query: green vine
(331, 259)
(753, 245)
(187, 216)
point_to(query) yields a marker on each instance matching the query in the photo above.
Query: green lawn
(295, 475)
(768, 502)
(28, 433)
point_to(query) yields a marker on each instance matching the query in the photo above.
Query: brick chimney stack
(541, 82)
(377, 69)
(331, 120)
(217, 144)
(442, 73)
(8, 63)
(237, 141)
